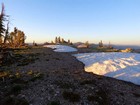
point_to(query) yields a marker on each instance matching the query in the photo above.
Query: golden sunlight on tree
(17, 38)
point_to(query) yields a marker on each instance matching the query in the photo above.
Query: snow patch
(61, 48)
(123, 66)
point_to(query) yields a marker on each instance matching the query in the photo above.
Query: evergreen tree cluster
(101, 44)
(61, 40)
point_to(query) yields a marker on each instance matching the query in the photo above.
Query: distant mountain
(125, 46)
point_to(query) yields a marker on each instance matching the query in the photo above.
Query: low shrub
(37, 76)
(16, 89)
(100, 97)
(136, 95)
(54, 103)
(15, 101)
(88, 82)
(71, 96)
(64, 85)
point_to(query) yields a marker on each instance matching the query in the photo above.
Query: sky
(117, 21)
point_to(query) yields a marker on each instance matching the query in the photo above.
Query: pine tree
(110, 46)
(101, 44)
(17, 37)
(68, 41)
(56, 40)
(2, 28)
(62, 40)
(59, 39)
(87, 44)
(71, 43)
(6, 33)
(52, 42)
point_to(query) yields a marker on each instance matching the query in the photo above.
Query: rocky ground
(40, 76)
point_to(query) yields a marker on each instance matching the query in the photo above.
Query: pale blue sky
(117, 21)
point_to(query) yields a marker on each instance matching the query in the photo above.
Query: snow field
(123, 66)
(61, 48)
